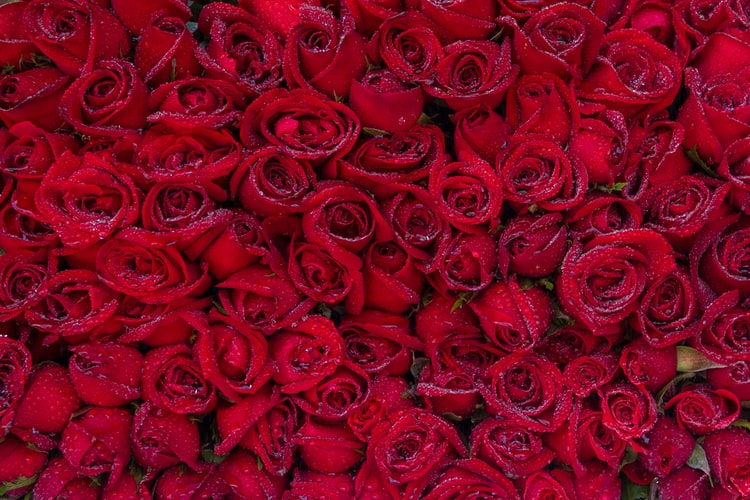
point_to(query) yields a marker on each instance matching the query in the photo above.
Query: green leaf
(218, 306)
(208, 455)
(19, 482)
(417, 366)
(325, 310)
(632, 491)
(691, 360)
(699, 461)
(463, 298)
(628, 457)
(744, 424)
(548, 284)
(672, 386)
(258, 462)
(692, 153)
(612, 188)
(375, 132)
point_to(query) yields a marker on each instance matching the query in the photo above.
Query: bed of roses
(375, 249)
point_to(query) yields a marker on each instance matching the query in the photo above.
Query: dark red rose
(370, 14)
(98, 441)
(648, 366)
(722, 337)
(336, 396)
(324, 53)
(30, 95)
(15, 45)
(387, 395)
(514, 449)
(735, 167)
(232, 356)
(196, 102)
(329, 448)
(629, 411)
(161, 439)
(108, 100)
(28, 151)
(387, 266)
(285, 118)
(532, 245)
(379, 342)
(536, 171)
(311, 484)
(717, 257)
(173, 381)
(179, 481)
(563, 39)
(569, 342)
(601, 283)
(728, 453)
(480, 131)
(60, 479)
(262, 298)
(240, 49)
(25, 231)
(684, 482)
(473, 72)
(383, 102)
(702, 410)
(527, 390)
(157, 324)
(461, 20)
(599, 482)
(106, 374)
(598, 214)
(554, 485)
(410, 444)
(633, 74)
(153, 274)
(451, 393)
(734, 378)
(136, 15)
(306, 353)
(76, 303)
(240, 244)
(543, 104)
(239, 476)
(400, 157)
(603, 143)
(19, 460)
(510, 317)
(460, 477)
(15, 365)
(372, 485)
(657, 18)
(585, 373)
(733, 43)
(166, 51)
(468, 264)
(48, 401)
(668, 448)
(409, 46)
(23, 276)
(75, 35)
(87, 199)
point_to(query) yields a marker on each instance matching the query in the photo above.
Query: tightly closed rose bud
(668, 448)
(532, 246)
(387, 266)
(161, 439)
(19, 460)
(684, 483)
(648, 366)
(446, 392)
(480, 131)
(311, 484)
(166, 51)
(380, 91)
(468, 264)
(60, 480)
(106, 374)
(240, 476)
(331, 448)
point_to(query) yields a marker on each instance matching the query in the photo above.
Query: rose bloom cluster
(375, 249)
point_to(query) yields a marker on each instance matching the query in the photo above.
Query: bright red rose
(166, 51)
(329, 448)
(60, 479)
(27, 151)
(480, 131)
(628, 411)
(532, 245)
(409, 46)
(386, 265)
(19, 460)
(383, 102)
(702, 410)
(461, 477)
(30, 95)
(106, 374)
(669, 448)
(728, 453)
(15, 365)
(648, 366)
(463, 19)
(161, 439)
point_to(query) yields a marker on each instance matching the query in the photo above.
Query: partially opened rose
(29, 96)
(166, 51)
(15, 365)
(107, 374)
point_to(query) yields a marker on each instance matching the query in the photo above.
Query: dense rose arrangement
(375, 249)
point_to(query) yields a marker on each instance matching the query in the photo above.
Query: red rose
(409, 46)
(179, 481)
(410, 444)
(370, 14)
(157, 324)
(387, 266)
(60, 480)
(462, 20)
(15, 44)
(460, 477)
(569, 342)
(98, 441)
(722, 333)
(717, 254)
(684, 482)
(24, 231)
(734, 378)
(240, 50)
(19, 460)
(240, 244)
(728, 454)
(473, 72)
(106, 374)
(87, 199)
(331, 448)
(468, 263)
(311, 484)
(30, 95)
(166, 51)
(514, 449)
(480, 131)
(628, 410)
(451, 393)
(108, 100)
(383, 102)
(386, 397)
(15, 365)
(532, 246)
(668, 449)
(336, 396)
(324, 53)
(557, 484)
(239, 476)
(585, 373)
(598, 214)
(24, 278)
(161, 439)
(28, 151)
(173, 381)
(75, 35)
(603, 144)
(702, 410)
(136, 15)
(648, 366)
(735, 167)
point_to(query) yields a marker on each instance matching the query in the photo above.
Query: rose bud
(728, 453)
(181, 482)
(109, 100)
(553, 485)
(19, 461)
(442, 318)
(473, 19)
(15, 365)
(532, 246)
(331, 448)
(684, 483)
(602, 142)
(586, 287)
(48, 400)
(628, 410)
(75, 35)
(585, 374)
(239, 476)
(172, 380)
(409, 47)
(15, 44)
(537, 171)
(717, 255)
(512, 318)
(668, 448)
(384, 102)
(599, 482)
(401, 157)
(106, 374)
(323, 53)
(387, 395)
(735, 378)
(702, 410)
(231, 30)
(599, 214)
(468, 264)
(166, 51)
(446, 392)
(372, 485)
(387, 266)
(480, 131)
(30, 95)
(28, 151)
(568, 343)
(98, 441)
(543, 104)
(461, 477)
(283, 118)
(409, 444)
(161, 439)
(514, 449)
(473, 72)
(61, 480)
(648, 366)
(311, 484)
(157, 324)
(239, 245)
